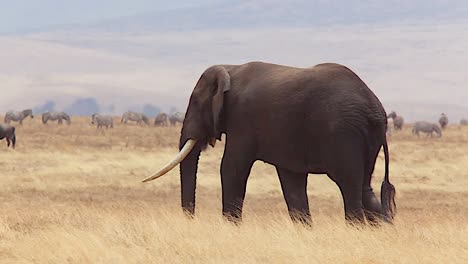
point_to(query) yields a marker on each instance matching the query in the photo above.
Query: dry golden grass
(73, 195)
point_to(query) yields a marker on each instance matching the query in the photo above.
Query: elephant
(8, 132)
(318, 120)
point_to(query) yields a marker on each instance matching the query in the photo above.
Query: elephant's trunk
(188, 180)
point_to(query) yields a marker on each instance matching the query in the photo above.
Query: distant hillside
(278, 13)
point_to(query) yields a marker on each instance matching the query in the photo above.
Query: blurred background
(111, 56)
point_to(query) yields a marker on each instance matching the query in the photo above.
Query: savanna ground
(72, 194)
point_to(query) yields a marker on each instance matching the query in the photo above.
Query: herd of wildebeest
(7, 131)
(422, 126)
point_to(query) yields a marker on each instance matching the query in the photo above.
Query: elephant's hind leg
(348, 172)
(235, 170)
(372, 206)
(294, 186)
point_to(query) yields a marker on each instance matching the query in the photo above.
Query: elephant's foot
(234, 217)
(372, 208)
(301, 217)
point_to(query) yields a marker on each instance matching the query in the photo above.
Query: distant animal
(56, 116)
(318, 120)
(177, 117)
(389, 131)
(426, 127)
(464, 122)
(443, 121)
(8, 132)
(161, 119)
(102, 120)
(18, 116)
(398, 121)
(139, 118)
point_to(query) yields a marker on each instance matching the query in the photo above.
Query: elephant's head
(201, 126)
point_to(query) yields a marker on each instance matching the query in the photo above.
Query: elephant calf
(8, 132)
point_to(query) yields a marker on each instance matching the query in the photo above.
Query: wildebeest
(8, 132)
(102, 120)
(56, 116)
(177, 117)
(464, 122)
(134, 116)
(389, 131)
(443, 120)
(426, 127)
(18, 116)
(398, 121)
(161, 119)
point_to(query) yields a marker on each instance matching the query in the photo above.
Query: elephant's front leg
(235, 170)
(294, 186)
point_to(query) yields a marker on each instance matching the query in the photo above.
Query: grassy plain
(72, 194)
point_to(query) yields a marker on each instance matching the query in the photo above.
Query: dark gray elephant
(8, 132)
(443, 121)
(398, 121)
(319, 120)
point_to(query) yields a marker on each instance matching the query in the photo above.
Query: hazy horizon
(126, 55)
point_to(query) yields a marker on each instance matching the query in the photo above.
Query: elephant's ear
(223, 84)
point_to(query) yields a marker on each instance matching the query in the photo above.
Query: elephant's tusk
(179, 158)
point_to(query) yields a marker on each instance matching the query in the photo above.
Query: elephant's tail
(387, 192)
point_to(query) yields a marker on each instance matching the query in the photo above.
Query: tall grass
(72, 194)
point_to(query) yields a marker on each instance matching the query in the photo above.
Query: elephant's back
(326, 95)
